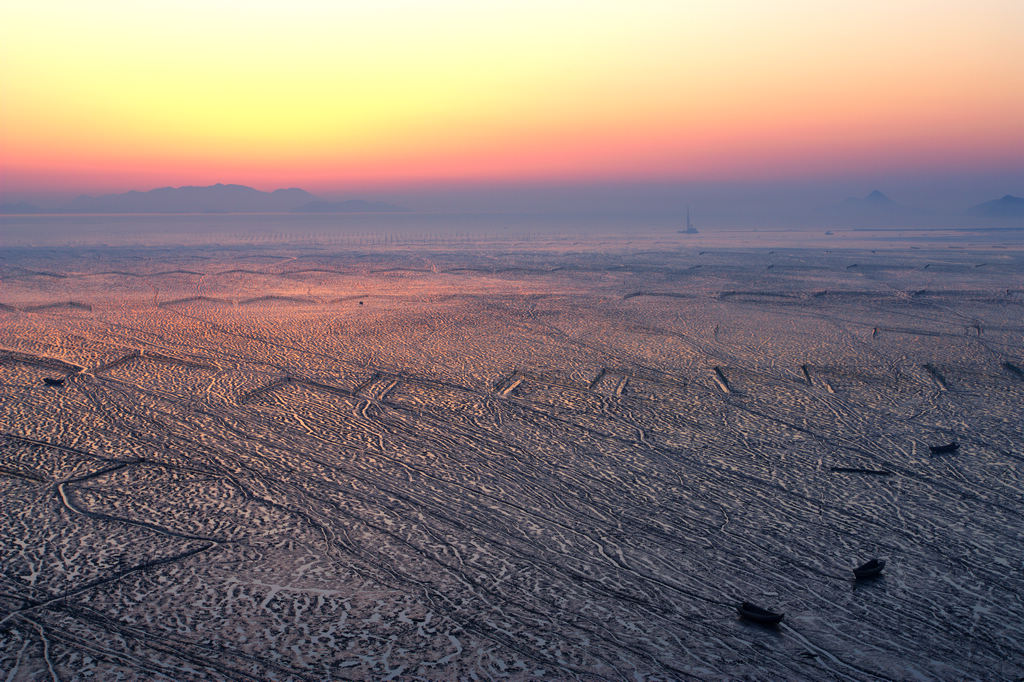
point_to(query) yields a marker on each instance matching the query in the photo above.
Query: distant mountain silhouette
(1007, 207)
(350, 206)
(875, 198)
(219, 198)
(874, 209)
(20, 207)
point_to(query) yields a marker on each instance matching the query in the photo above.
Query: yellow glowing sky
(118, 95)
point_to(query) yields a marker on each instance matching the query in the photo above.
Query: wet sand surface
(511, 462)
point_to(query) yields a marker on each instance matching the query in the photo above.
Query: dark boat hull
(941, 449)
(756, 614)
(869, 570)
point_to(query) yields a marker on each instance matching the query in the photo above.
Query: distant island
(877, 209)
(1007, 207)
(219, 198)
(875, 198)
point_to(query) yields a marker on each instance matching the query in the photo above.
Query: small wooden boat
(756, 614)
(51, 381)
(943, 449)
(870, 569)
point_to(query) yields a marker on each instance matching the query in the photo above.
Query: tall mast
(690, 229)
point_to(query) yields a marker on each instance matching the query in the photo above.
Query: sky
(338, 97)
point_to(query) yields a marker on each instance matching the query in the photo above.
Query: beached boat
(941, 449)
(756, 614)
(51, 381)
(869, 569)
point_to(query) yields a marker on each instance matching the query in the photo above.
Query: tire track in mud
(884, 416)
(401, 580)
(378, 482)
(840, 442)
(69, 503)
(910, 538)
(620, 565)
(118, 575)
(587, 509)
(543, 660)
(60, 603)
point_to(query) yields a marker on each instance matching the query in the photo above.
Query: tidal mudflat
(301, 462)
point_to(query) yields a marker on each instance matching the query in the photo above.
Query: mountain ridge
(217, 198)
(1007, 206)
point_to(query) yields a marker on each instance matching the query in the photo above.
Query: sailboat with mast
(690, 229)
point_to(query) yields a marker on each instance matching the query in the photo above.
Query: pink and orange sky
(110, 96)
